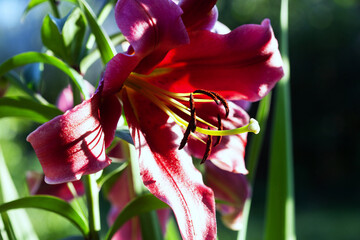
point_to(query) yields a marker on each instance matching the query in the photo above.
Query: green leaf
(125, 135)
(73, 34)
(280, 209)
(33, 57)
(94, 55)
(26, 108)
(103, 42)
(52, 38)
(139, 205)
(52, 204)
(16, 222)
(34, 3)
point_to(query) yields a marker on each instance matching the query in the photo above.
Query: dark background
(324, 40)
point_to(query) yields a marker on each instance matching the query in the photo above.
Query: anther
(224, 103)
(208, 148)
(208, 93)
(220, 127)
(192, 123)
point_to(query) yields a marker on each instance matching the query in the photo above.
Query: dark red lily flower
(37, 185)
(173, 79)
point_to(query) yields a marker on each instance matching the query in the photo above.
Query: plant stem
(92, 198)
(54, 8)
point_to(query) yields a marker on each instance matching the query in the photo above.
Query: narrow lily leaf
(15, 81)
(103, 42)
(73, 34)
(139, 205)
(280, 213)
(16, 222)
(8, 227)
(87, 61)
(105, 9)
(25, 108)
(52, 38)
(33, 57)
(253, 153)
(110, 175)
(34, 3)
(52, 204)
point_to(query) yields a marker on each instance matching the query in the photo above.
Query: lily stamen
(208, 149)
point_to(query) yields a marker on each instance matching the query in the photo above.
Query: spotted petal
(169, 174)
(71, 144)
(242, 65)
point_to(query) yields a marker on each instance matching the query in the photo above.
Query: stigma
(181, 107)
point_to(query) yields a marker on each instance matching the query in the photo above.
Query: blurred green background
(325, 88)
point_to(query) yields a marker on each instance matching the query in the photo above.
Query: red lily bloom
(175, 66)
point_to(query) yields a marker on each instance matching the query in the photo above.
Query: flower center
(185, 103)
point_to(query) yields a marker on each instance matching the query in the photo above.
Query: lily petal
(37, 186)
(229, 154)
(232, 188)
(72, 144)
(151, 27)
(247, 56)
(169, 174)
(199, 14)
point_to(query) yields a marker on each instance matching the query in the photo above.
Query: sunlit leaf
(34, 57)
(73, 34)
(52, 204)
(140, 205)
(26, 108)
(103, 42)
(16, 222)
(52, 38)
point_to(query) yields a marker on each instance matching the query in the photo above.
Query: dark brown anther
(220, 127)
(192, 123)
(209, 94)
(208, 149)
(224, 103)
(193, 113)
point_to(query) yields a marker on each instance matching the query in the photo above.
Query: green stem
(280, 210)
(54, 8)
(149, 222)
(92, 198)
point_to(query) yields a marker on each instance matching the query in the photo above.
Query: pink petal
(169, 174)
(244, 64)
(199, 14)
(37, 186)
(151, 27)
(71, 144)
(122, 193)
(110, 112)
(229, 154)
(232, 188)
